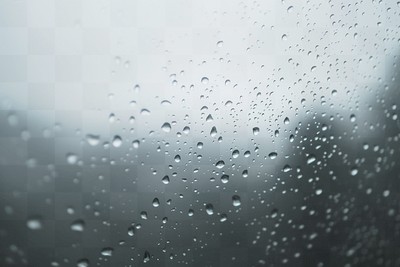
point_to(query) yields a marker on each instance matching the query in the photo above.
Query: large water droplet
(220, 164)
(107, 252)
(156, 202)
(224, 178)
(210, 209)
(78, 226)
(117, 141)
(166, 127)
(34, 224)
(236, 201)
(93, 139)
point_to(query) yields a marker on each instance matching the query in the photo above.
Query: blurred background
(199, 133)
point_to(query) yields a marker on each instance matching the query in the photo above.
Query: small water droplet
(354, 171)
(213, 131)
(220, 164)
(204, 80)
(156, 202)
(93, 139)
(224, 178)
(220, 43)
(107, 252)
(256, 130)
(311, 158)
(166, 127)
(165, 179)
(236, 202)
(34, 223)
(272, 155)
(210, 209)
(117, 141)
(78, 226)
(136, 143)
(72, 158)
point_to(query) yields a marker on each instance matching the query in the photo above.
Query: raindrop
(156, 202)
(224, 178)
(256, 130)
(311, 159)
(145, 111)
(92, 139)
(354, 171)
(204, 80)
(220, 43)
(34, 224)
(210, 209)
(272, 155)
(220, 164)
(287, 168)
(135, 143)
(117, 141)
(107, 252)
(78, 226)
(235, 154)
(165, 179)
(83, 263)
(72, 158)
(213, 131)
(236, 201)
(146, 257)
(166, 127)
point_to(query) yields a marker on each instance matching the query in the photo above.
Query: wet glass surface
(199, 133)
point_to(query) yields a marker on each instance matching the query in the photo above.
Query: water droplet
(311, 159)
(165, 179)
(145, 111)
(131, 230)
(177, 158)
(236, 201)
(220, 43)
(107, 252)
(220, 164)
(166, 127)
(199, 145)
(117, 141)
(290, 9)
(72, 158)
(354, 171)
(136, 143)
(190, 213)
(272, 155)
(213, 131)
(209, 118)
(284, 37)
(92, 139)
(256, 130)
(83, 263)
(204, 80)
(287, 168)
(186, 130)
(34, 224)
(224, 178)
(318, 192)
(210, 209)
(78, 226)
(146, 256)
(223, 218)
(156, 202)
(235, 154)
(386, 193)
(286, 120)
